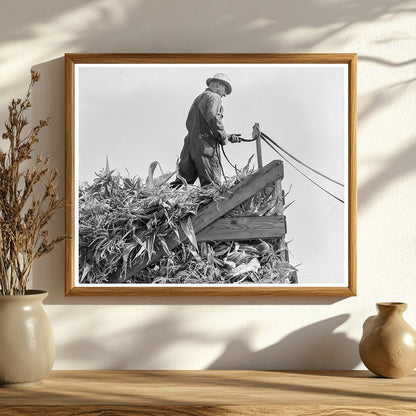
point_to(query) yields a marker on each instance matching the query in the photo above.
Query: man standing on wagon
(200, 155)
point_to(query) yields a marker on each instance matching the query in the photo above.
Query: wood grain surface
(203, 393)
(244, 228)
(211, 58)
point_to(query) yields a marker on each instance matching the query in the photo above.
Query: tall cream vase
(28, 201)
(27, 347)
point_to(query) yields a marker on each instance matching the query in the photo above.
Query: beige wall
(196, 333)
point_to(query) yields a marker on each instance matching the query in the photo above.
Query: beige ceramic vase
(27, 347)
(388, 344)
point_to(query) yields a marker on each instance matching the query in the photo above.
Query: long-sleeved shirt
(205, 117)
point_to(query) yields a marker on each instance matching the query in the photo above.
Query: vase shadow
(314, 347)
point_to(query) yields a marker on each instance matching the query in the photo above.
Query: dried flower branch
(23, 217)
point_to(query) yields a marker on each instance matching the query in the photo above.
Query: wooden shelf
(203, 393)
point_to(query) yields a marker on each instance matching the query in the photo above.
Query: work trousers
(200, 158)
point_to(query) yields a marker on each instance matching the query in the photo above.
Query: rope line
(297, 160)
(307, 177)
(228, 160)
(270, 142)
(248, 140)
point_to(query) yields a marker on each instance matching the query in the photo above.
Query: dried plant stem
(23, 217)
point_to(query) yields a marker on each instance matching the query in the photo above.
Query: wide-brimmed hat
(224, 79)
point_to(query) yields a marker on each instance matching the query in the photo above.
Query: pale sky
(136, 114)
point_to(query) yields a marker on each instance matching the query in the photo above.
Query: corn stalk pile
(123, 220)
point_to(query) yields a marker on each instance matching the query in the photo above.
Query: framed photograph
(211, 174)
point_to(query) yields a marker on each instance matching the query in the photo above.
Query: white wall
(201, 333)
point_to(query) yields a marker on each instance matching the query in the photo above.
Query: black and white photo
(211, 175)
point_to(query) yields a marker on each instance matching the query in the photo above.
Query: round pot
(27, 347)
(388, 345)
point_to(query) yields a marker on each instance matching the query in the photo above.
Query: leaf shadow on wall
(152, 345)
(116, 346)
(316, 346)
(396, 167)
(133, 26)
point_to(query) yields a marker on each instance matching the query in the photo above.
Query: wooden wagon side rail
(249, 186)
(244, 228)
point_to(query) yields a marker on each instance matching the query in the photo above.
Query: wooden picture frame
(316, 80)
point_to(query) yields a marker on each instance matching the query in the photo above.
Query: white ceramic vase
(27, 347)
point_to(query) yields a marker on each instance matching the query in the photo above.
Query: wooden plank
(259, 153)
(212, 393)
(216, 209)
(256, 134)
(280, 202)
(280, 197)
(217, 410)
(244, 190)
(244, 228)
